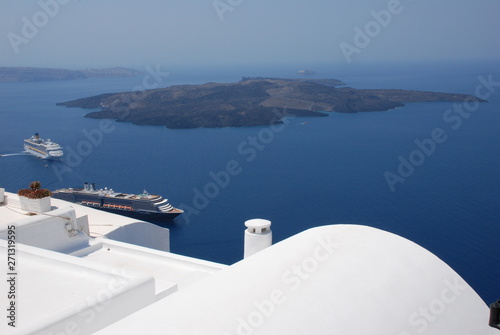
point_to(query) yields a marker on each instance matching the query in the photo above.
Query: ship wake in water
(22, 153)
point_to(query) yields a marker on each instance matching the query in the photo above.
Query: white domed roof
(341, 279)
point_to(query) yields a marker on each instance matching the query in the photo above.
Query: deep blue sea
(310, 172)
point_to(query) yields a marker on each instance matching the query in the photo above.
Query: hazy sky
(99, 33)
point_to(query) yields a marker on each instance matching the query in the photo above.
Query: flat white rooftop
(171, 272)
(55, 291)
(67, 282)
(116, 227)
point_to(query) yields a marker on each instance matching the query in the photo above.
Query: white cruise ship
(45, 149)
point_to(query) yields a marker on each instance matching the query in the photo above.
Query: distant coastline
(253, 101)
(30, 74)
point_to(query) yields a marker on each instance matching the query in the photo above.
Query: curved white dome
(341, 279)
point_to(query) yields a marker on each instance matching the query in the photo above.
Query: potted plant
(35, 199)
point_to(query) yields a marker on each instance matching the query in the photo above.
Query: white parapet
(61, 294)
(258, 236)
(57, 231)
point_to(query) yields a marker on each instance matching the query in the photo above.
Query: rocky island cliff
(249, 102)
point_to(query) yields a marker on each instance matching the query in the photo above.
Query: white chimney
(258, 236)
(2, 196)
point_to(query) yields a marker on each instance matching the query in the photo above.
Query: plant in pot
(35, 199)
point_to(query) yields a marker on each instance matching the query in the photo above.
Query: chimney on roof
(258, 236)
(495, 315)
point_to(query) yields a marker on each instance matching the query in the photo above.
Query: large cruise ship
(143, 206)
(45, 149)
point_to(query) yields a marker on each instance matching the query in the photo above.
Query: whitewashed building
(83, 271)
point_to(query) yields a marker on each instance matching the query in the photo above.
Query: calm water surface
(312, 172)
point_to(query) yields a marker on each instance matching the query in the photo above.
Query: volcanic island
(253, 101)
